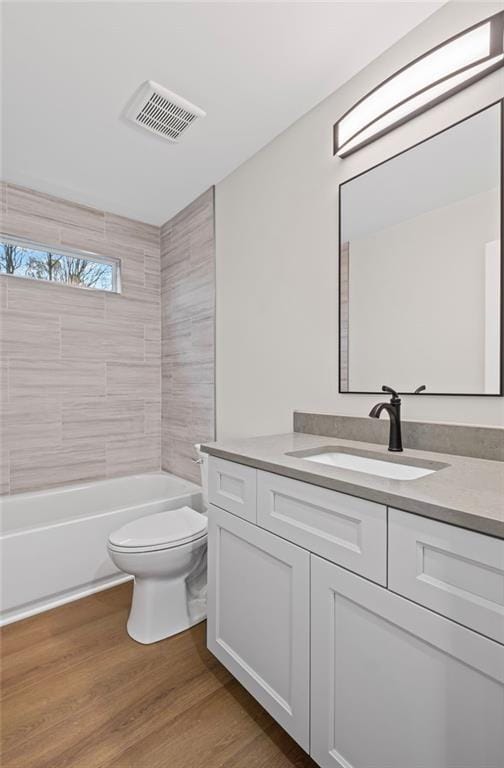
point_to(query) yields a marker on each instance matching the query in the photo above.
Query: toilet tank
(203, 463)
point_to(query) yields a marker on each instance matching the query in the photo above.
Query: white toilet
(166, 553)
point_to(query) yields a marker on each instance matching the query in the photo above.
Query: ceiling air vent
(163, 112)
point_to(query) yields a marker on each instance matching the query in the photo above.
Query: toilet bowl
(166, 554)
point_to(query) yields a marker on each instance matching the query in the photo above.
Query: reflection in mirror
(420, 266)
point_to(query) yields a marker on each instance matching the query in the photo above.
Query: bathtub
(53, 543)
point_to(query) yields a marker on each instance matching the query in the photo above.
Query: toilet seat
(164, 530)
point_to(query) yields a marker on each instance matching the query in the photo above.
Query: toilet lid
(164, 529)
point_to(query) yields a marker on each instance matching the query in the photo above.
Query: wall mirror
(421, 266)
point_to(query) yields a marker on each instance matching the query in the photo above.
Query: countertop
(467, 492)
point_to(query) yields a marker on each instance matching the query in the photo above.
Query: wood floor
(78, 692)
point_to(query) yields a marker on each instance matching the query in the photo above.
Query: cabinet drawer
(232, 487)
(349, 531)
(455, 572)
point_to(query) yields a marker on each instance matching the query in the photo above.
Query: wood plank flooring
(77, 692)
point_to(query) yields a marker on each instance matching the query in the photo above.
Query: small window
(40, 262)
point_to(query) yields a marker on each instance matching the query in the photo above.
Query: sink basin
(366, 462)
(371, 466)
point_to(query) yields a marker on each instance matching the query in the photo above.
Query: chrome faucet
(394, 411)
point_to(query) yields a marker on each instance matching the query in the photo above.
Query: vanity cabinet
(394, 685)
(259, 616)
(370, 635)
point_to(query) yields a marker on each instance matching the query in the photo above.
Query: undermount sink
(362, 462)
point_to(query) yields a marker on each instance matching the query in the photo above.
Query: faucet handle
(390, 391)
(419, 389)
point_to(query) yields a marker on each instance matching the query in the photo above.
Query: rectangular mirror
(421, 266)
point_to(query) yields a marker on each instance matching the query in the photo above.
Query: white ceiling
(69, 70)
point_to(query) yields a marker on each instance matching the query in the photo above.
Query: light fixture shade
(424, 82)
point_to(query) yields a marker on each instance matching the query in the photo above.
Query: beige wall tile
(181, 461)
(176, 418)
(30, 425)
(101, 417)
(4, 470)
(203, 413)
(82, 338)
(202, 336)
(57, 344)
(190, 377)
(146, 294)
(173, 273)
(190, 293)
(32, 379)
(52, 299)
(3, 197)
(29, 336)
(177, 341)
(123, 308)
(188, 335)
(27, 227)
(152, 332)
(130, 379)
(152, 417)
(72, 236)
(136, 233)
(3, 291)
(133, 276)
(96, 242)
(153, 280)
(4, 383)
(152, 350)
(123, 341)
(82, 380)
(30, 470)
(40, 206)
(130, 455)
(151, 259)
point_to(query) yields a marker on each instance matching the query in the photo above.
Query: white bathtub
(53, 543)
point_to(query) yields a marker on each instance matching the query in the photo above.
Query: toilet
(166, 553)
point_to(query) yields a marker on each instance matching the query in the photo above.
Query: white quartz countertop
(467, 492)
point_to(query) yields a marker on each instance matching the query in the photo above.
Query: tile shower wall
(188, 334)
(80, 371)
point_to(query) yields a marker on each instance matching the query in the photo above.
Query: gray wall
(277, 261)
(188, 334)
(80, 370)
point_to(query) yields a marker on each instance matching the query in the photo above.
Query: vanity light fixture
(426, 81)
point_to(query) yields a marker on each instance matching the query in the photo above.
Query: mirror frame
(343, 268)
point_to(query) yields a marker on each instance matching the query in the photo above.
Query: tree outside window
(40, 264)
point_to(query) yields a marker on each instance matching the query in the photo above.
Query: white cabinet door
(259, 616)
(397, 686)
